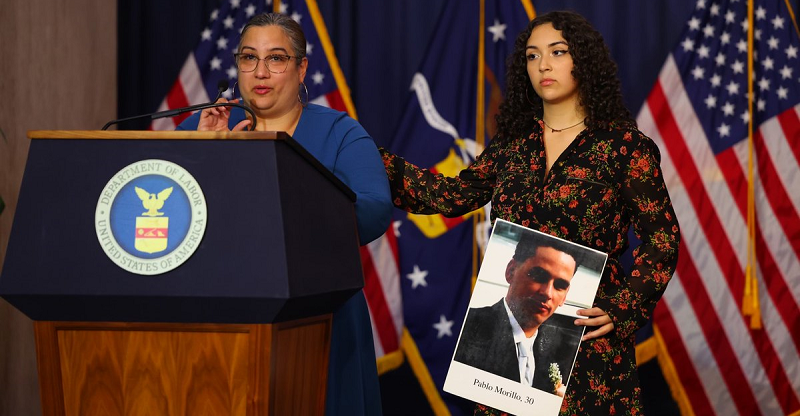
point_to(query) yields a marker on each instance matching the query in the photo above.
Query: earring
(233, 90)
(304, 104)
(529, 98)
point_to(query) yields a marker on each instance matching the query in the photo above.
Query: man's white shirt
(524, 345)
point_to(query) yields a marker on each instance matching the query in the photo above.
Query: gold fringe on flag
(750, 306)
(420, 370)
(671, 375)
(480, 113)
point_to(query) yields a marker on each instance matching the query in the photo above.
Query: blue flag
(441, 122)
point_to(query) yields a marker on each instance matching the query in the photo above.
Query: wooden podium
(241, 327)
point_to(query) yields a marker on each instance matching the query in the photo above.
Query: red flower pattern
(604, 182)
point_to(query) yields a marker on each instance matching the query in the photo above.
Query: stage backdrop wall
(57, 71)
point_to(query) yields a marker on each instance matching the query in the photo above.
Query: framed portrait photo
(518, 342)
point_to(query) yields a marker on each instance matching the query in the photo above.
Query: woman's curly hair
(599, 89)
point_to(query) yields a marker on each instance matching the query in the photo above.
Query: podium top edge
(155, 135)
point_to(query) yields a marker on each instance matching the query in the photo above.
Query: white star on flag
(745, 117)
(777, 22)
(763, 84)
(498, 31)
(724, 130)
(711, 101)
(216, 63)
(727, 109)
(318, 77)
(688, 45)
(444, 327)
(733, 88)
(741, 46)
(417, 277)
(786, 72)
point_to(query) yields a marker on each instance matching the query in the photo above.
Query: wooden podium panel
(104, 368)
(242, 327)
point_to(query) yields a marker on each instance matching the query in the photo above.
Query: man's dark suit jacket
(487, 343)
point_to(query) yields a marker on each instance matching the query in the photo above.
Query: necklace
(552, 130)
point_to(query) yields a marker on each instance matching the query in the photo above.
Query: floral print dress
(604, 182)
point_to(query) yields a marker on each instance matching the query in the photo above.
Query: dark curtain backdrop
(380, 44)
(154, 39)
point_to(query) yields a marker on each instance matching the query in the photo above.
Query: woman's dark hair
(599, 89)
(291, 28)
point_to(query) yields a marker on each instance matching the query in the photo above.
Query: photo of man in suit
(516, 338)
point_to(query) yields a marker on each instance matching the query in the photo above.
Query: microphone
(222, 86)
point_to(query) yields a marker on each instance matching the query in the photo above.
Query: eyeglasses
(277, 64)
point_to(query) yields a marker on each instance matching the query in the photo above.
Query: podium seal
(150, 217)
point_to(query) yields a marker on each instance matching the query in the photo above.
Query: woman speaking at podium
(271, 62)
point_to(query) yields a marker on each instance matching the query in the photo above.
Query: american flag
(212, 61)
(718, 360)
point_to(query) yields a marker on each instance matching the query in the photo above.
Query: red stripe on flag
(732, 172)
(777, 288)
(376, 301)
(719, 344)
(704, 209)
(770, 273)
(392, 239)
(683, 362)
(724, 354)
(335, 100)
(779, 380)
(790, 123)
(177, 99)
(776, 194)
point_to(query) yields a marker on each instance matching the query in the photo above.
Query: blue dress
(345, 148)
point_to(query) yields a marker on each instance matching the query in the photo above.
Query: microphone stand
(175, 112)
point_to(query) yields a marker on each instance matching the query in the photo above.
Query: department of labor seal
(151, 217)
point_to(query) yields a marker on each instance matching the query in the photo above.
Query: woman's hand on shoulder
(598, 318)
(216, 118)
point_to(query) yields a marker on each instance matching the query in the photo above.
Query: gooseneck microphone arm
(223, 85)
